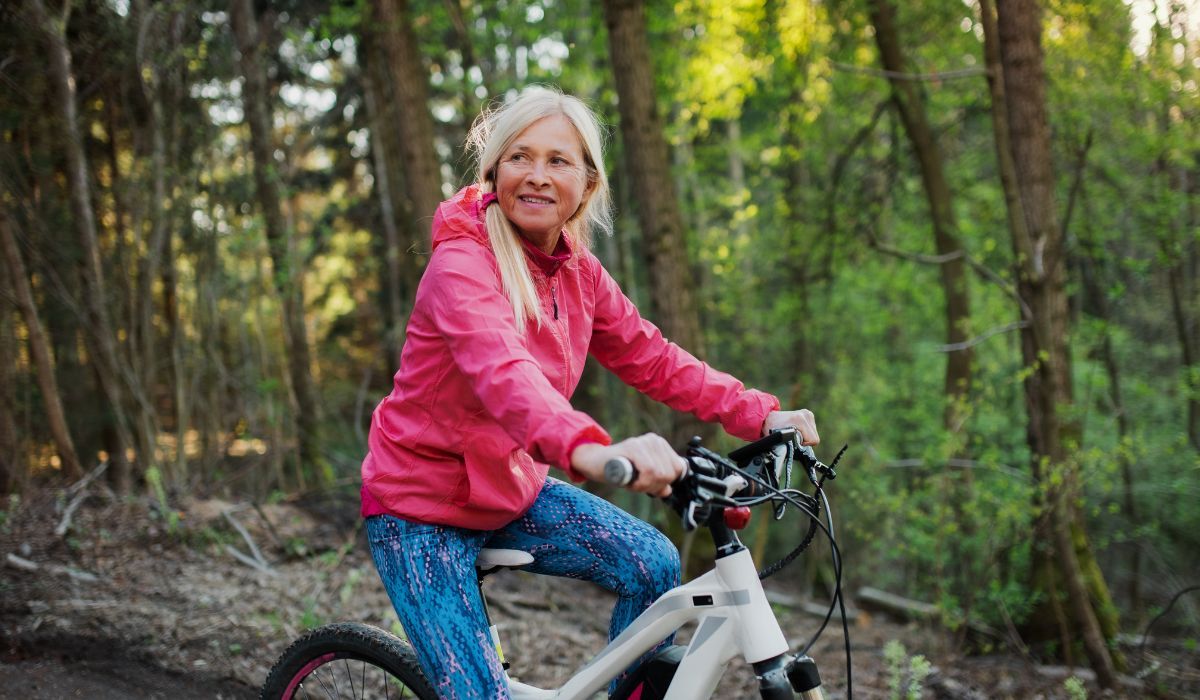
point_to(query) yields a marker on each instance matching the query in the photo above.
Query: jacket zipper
(554, 298)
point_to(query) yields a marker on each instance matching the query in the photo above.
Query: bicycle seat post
(490, 561)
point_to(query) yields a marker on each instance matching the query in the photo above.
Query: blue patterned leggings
(429, 573)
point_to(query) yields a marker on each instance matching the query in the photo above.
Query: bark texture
(1017, 80)
(410, 89)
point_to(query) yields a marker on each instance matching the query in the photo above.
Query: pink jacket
(480, 409)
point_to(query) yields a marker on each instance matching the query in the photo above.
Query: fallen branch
(256, 559)
(21, 563)
(65, 523)
(78, 493)
(248, 561)
(905, 608)
(72, 572)
(28, 565)
(806, 606)
(86, 481)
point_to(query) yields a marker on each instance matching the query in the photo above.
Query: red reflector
(737, 518)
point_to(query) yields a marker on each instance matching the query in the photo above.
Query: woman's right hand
(657, 464)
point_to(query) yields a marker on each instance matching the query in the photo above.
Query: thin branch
(259, 561)
(956, 463)
(955, 347)
(916, 77)
(1077, 181)
(981, 269)
(916, 257)
(248, 561)
(86, 481)
(843, 160)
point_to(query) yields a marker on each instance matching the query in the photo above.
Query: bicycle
(728, 603)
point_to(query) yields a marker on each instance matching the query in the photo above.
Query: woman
(507, 310)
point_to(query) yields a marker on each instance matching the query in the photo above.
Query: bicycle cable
(838, 601)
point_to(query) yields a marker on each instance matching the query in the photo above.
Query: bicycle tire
(344, 660)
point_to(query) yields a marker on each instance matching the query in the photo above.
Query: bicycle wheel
(347, 660)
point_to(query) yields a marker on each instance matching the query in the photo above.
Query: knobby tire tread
(363, 642)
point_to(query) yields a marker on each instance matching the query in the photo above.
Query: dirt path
(117, 608)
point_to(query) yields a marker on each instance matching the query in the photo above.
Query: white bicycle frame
(734, 619)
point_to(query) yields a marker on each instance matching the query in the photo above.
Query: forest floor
(118, 607)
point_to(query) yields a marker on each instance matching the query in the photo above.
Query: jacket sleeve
(469, 309)
(636, 351)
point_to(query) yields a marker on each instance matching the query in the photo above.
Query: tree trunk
(400, 282)
(101, 331)
(39, 350)
(12, 468)
(1017, 80)
(471, 103)
(410, 88)
(911, 107)
(288, 280)
(664, 241)
(1185, 329)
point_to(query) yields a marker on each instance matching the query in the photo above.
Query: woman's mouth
(536, 200)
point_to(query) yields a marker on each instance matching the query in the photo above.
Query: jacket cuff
(590, 435)
(558, 437)
(746, 422)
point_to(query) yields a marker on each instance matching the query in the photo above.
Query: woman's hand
(801, 420)
(656, 462)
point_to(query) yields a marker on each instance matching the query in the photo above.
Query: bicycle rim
(347, 661)
(342, 676)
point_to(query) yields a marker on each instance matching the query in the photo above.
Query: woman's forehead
(552, 133)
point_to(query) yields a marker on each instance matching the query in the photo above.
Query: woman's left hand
(802, 420)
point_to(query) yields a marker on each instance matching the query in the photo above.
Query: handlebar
(750, 475)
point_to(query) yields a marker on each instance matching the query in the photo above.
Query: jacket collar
(549, 264)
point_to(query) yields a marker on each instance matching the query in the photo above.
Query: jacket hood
(461, 216)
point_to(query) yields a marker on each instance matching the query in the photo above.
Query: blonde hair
(491, 135)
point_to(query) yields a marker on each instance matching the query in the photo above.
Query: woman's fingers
(657, 464)
(802, 420)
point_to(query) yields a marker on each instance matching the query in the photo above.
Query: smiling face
(541, 180)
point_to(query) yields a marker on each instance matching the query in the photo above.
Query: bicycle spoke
(349, 676)
(317, 674)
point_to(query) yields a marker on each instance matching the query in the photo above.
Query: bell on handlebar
(737, 518)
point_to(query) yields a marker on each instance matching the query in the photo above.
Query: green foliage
(169, 515)
(904, 674)
(1075, 689)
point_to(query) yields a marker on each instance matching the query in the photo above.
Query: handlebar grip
(619, 471)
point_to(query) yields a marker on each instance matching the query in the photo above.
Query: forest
(964, 233)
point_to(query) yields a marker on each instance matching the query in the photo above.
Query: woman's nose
(537, 173)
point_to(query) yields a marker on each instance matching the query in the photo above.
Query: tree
(1017, 79)
(664, 244)
(288, 280)
(39, 350)
(410, 89)
(952, 267)
(101, 331)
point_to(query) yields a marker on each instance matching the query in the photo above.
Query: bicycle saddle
(490, 559)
